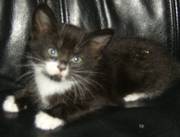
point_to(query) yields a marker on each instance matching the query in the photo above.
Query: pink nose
(61, 67)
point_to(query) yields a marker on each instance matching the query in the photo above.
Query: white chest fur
(47, 87)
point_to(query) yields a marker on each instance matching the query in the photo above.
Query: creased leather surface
(14, 25)
(146, 18)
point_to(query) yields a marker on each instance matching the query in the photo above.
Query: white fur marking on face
(47, 122)
(52, 67)
(65, 73)
(134, 97)
(9, 105)
(47, 87)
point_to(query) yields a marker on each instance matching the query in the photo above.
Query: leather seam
(172, 26)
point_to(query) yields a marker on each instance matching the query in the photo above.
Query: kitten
(76, 72)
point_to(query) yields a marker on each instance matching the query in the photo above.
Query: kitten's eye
(52, 52)
(77, 59)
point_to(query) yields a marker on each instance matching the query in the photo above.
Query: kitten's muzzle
(53, 77)
(62, 67)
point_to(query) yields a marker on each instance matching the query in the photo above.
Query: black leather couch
(153, 19)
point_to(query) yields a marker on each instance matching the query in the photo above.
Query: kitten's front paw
(47, 122)
(9, 105)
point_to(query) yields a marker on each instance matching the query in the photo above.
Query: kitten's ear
(43, 20)
(100, 39)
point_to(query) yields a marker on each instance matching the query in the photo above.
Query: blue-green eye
(52, 52)
(77, 59)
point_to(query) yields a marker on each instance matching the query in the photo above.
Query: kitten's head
(64, 52)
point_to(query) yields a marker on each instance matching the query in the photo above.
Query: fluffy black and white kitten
(76, 72)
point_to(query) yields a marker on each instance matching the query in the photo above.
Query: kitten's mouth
(54, 77)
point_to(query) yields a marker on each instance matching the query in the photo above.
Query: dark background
(153, 19)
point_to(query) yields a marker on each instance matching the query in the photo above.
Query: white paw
(134, 97)
(9, 105)
(47, 122)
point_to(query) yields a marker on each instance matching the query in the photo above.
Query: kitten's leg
(9, 105)
(58, 116)
(50, 119)
(45, 121)
(15, 103)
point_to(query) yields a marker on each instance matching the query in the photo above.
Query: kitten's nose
(62, 67)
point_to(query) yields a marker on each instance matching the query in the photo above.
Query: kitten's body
(88, 71)
(140, 66)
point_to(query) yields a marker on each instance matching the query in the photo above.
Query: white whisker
(87, 82)
(93, 83)
(24, 66)
(36, 59)
(86, 72)
(29, 73)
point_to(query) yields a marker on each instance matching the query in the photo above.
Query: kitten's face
(66, 52)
